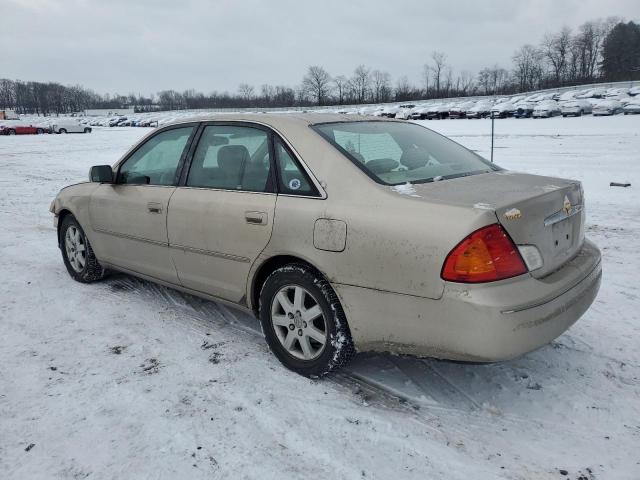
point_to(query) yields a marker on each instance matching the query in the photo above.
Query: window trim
(274, 172)
(270, 186)
(281, 188)
(378, 180)
(181, 161)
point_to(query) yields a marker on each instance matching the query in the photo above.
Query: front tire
(62, 130)
(78, 256)
(12, 132)
(303, 321)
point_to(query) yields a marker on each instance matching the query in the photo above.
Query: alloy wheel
(299, 322)
(75, 247)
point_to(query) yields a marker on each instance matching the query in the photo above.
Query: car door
(130, 215)
(221, 216)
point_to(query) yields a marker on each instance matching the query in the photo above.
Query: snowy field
(126, 380)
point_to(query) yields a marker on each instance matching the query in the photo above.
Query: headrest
(232, 157)
(414, 158)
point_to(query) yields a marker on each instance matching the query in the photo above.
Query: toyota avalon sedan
(340, 235)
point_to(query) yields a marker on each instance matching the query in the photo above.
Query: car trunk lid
(546, 212)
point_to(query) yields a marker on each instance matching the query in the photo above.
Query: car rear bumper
(482, 323)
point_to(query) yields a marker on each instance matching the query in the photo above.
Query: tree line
(599, 50)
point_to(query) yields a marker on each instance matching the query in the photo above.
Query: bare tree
(317, 82)
(341, 84)
(439, 63)
(246, 91)
(555, 48)
(381, 85)
(527, 67)
(465, 83)
(404, 89)
(361, 83)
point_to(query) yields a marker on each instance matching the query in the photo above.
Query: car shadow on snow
(520, 387)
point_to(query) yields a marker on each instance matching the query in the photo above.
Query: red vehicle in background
(16, 127)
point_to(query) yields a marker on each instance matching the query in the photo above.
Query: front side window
(393, 153)
(231, 158)
(156, 161)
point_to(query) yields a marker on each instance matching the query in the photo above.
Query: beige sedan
(341, 235)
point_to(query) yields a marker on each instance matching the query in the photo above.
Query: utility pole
(492, 120)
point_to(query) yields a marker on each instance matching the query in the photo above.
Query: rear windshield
(393, 153)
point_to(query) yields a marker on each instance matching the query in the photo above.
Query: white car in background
(566, 96)
(616, 92)
(546, 109)
(632, 108)
(503, 110)
(575, 107)
(404, 111)
(69, 126)
(593, 93)
(607, 108)
(481, 109)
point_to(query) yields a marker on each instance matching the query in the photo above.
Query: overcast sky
(142, 46)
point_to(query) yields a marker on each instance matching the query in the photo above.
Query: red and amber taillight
(487, 255)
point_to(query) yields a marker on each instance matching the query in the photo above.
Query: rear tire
(87, 130)
(12, 132)
(39, 131)
(62, 130)
(77, 254)
(303, 321)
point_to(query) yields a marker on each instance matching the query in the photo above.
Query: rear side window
(231, 158)
(156, 161)
(293, 179)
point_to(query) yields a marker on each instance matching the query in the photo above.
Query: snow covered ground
(124, 379)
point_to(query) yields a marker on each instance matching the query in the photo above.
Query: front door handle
(154, 207)
(256, 218)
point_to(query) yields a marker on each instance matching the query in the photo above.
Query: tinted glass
(231, 158)
(293, 179)
(156, 161)
(393, 153)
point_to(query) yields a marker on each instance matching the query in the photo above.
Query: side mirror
(101, 174)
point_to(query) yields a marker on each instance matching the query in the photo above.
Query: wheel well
(61, 216)
(266, 269)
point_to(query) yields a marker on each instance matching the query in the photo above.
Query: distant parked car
(523, 109)
(607, 107)
(420, 112)
(62, 126)
(459, 110)
(575, 108)
(503, 110)
(438, 111)
(115, 122)
(390, 111)
(481, 109)
(546, 109)
(632, 108)
(404, 112)
(17, 127)
(593, 93)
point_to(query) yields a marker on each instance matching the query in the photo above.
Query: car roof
(280, 120)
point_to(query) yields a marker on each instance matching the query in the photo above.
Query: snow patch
(405, 189)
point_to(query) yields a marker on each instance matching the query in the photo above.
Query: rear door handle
(154, 207)
(256, 218)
